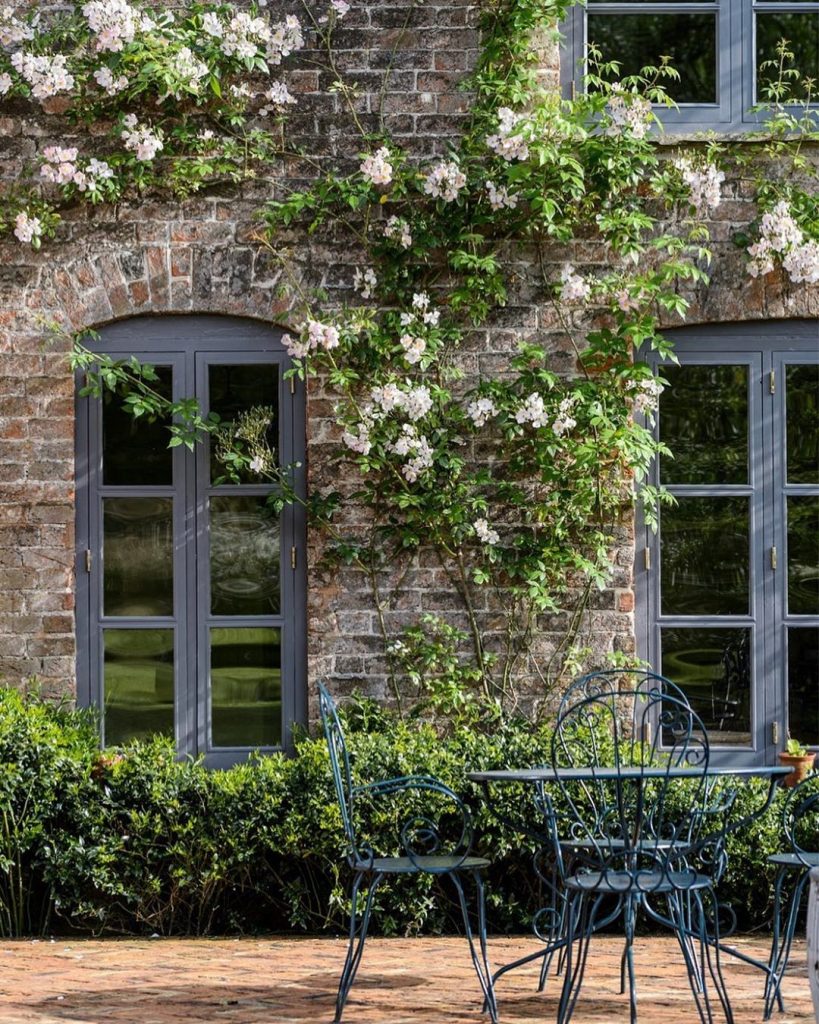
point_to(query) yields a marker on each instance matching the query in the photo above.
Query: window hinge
(89, 558)
(773, 557)
(293, 557)
(647, 557)
(772, 382)
(292, 385)
(774, 732)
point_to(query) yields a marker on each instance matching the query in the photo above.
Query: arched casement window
(190, 589)
(728, 589)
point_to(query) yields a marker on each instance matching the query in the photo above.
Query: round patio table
(541, 777)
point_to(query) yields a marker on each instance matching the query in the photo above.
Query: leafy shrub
(138, 841)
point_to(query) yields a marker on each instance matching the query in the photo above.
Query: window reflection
(238, 389)
(138, 555)
(802, 407)
(138, 683)
(135, 452)
(704, 551)
(245, 687)
(634, 40)
(803, 684)
(803, 555)
(704, 421)
(244, 556)
(713, 668)
(801, 30)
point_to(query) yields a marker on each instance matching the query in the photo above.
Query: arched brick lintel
(733, 296)
(93, 291)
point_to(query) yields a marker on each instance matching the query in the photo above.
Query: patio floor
(266, 981)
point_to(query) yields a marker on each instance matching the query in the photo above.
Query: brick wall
(199, 256)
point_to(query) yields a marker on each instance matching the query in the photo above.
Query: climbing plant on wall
(516, 480)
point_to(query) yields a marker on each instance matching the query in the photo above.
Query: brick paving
(292, 981)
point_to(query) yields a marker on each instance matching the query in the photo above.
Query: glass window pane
(713, 668)
(704, 421)
(704, 555)
(802, 411)
(801, 29)
(690, 40)
(138, 683)
(246, 398)
(245, 687)
(244, 557)
(803, 685)
(803, 555)
(135, 451)
(138, 556)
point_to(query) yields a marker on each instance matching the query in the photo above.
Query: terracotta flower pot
(801, 766)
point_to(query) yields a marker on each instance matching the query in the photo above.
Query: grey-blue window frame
(771, 345)
(169, 340)
(736, 58)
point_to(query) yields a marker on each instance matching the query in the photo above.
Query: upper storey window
(721, 49)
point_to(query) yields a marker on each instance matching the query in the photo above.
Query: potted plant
(800, 759)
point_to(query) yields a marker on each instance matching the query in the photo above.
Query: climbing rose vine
(515, 477)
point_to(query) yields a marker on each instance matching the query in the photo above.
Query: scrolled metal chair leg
(709, 962)
(358, 936)
(582, 924)
(627, 959)
(772, 977)
(781, 952)
(714, 958)
(574, 913)
(701, 998)
(549, 955)
(480, 963)
(679, 914)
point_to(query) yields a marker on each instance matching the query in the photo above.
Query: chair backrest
(339, 762)
(801, 819)
(609, 680)
(634, 825)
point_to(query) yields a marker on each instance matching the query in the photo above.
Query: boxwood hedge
(136, 841)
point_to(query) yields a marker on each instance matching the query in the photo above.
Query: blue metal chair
(611, 680)
(642, 681)
(801, 827)
(425, 849)
(620, 835)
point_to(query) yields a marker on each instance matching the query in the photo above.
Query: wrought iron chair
(602, 681)
(611, 680)
(801, 828)
(621, 835)
(425, 849)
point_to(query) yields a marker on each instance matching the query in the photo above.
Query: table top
(589, 774)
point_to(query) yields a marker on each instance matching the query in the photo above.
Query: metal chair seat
(606, 843)
(433, 865)
(648, 882)
(800, 861)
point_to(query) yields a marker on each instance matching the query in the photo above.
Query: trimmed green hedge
(136, 841)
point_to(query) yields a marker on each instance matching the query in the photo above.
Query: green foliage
(135, 385)
(795, 748)
(46, 752)
(521, 506)
(445, 685)
(136, 841)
